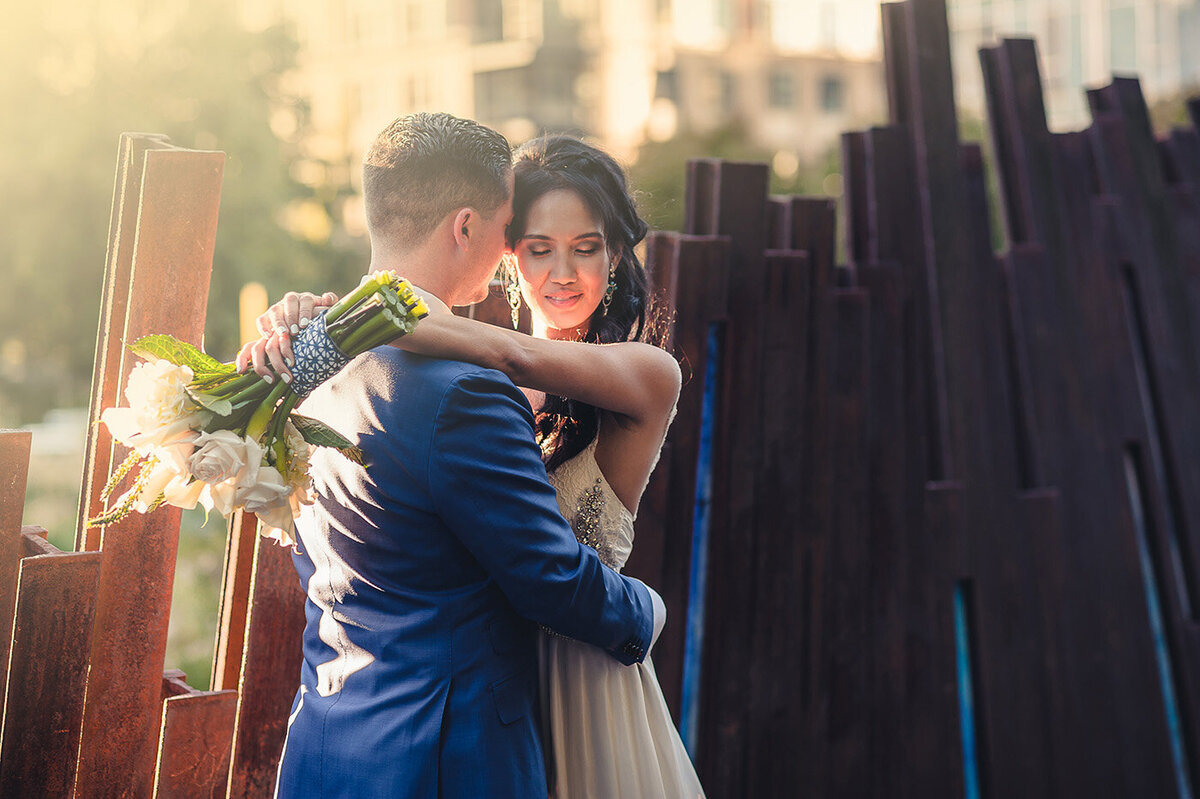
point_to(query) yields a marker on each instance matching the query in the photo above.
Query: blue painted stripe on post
(689, 716)
(1154, 608)
(966, 694)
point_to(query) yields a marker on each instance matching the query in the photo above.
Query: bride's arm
(632, 379)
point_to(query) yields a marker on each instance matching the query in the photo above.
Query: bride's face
(563, 260)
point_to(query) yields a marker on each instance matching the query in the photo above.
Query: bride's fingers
(243, 357)
(311, 305)
(275, 356)
(290, 309)
(258, 358)
(304, 314)
(264, 324)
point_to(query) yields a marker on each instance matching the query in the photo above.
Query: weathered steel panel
(270, 671)
(168, 291)
(14, 474)
(194, 746)
(43, 708)
(235, 598)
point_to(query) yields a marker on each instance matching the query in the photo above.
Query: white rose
(220, 456)
(161, 478)
(223, 495)
(268, 491)
(157, 393)
(278, 524)
(269, 498)
(125, 427)
(184, 494)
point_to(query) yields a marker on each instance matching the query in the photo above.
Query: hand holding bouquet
(202, 433)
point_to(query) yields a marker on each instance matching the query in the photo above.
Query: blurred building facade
(1081, 43)
(791, 74)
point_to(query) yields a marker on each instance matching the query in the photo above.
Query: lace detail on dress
(597, 517)
(588, 515)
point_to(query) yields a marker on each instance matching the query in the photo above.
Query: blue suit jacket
(426, 572)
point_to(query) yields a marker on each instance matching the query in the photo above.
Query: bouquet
(202, 433)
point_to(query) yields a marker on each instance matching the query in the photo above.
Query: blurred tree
(72, 84)
(1171, 111)
(659, 175)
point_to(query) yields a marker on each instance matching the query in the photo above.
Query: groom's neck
(423, 268)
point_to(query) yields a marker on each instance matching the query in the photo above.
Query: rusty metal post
(43, 707)
(14, 474)
(166, 291)
(270, 671)
(193, 750)
(235, 599)
(114, 302)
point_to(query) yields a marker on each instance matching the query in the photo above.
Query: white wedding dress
(609, 733)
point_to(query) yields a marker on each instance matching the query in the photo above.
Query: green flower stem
(366, 288)
(230, 387)
(281, 414)
(276, 435)
(355, 316)
(262, 415)
(371, 333)
(258, 389)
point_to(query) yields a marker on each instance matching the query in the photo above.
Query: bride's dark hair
(565, 426)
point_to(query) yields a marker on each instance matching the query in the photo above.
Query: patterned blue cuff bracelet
(317, 358)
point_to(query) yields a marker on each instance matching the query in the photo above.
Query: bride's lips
(564, 299)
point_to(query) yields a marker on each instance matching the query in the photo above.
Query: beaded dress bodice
(588, 502)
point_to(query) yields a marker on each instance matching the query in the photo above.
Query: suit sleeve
(489, 485)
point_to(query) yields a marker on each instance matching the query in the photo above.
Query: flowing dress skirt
(609, 732)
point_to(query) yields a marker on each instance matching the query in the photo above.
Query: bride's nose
(562, 271)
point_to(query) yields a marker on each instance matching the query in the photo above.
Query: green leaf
(320, 434)
(220, 407)
(180, 353)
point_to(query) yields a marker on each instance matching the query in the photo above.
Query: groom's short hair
(423, 166)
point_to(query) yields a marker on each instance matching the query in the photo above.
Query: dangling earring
(612, 286)
(512, 292)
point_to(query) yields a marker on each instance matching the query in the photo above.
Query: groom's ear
(463, 220)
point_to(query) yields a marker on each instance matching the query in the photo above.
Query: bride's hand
(272, 354)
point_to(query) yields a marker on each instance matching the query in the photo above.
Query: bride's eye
(538, 253)
(587, 251)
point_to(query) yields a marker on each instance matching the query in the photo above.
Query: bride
(602, 414)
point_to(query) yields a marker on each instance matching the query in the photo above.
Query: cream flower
(222, 496)
(221, 456)
(297, 458)
(269, 498)
(125, 427)
(184, 494)
(162, 478)
(268, 491)
(279, 525)
(157, 393)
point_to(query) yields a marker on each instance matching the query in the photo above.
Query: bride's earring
(612, 286)
(512, 292)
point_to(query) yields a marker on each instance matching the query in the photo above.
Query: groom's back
(387, 402)
(409, 639)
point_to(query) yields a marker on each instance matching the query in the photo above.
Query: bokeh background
(293, 92)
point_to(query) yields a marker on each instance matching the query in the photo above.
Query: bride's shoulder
(653, 366)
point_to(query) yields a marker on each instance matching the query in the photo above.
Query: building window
(781, 90)
(833, 94)
(727, 88)
(667, 86)
(489, 21)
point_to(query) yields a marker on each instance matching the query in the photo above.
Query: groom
(428, 571)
